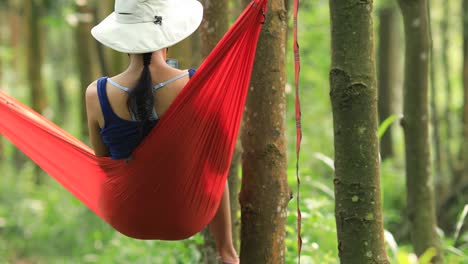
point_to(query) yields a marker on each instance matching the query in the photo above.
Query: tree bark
(420, 193)
(388, 69)
(436, 139)
(443, 184)
(212, 28)
(214, 24)
(84, 52)
(16, 31)
(34, 50)
(465, 93)
(265, 192)
(353, 95)
(4, 27)
(183, 52)
(111, 62)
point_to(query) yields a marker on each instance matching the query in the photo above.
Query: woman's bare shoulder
(92, 99)
(91, 90)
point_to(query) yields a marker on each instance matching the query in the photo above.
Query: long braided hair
(140, 99)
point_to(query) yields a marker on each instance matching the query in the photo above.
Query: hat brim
(182, 19)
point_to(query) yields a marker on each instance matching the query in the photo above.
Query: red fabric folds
(172, 186)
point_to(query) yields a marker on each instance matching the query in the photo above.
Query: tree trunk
(388, 69)
(465, 93)
(34, 49)
(4, 27)
(443, 184)
(34, 37)
(84, 53)
(436, 139)
(212, 28)
(420, 193)
(182, 51)
(111, 62)
(265, 192)
(353, 94)
(15, 31)
(214, 24)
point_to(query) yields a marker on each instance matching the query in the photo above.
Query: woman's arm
(93, 111)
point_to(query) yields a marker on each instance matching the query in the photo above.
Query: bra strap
(161, 85)
(123, 88)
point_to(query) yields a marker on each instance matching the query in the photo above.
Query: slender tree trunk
(16, 29)
(15, 36)
(111, 62)
(388, 69)
(456, 199)
(34, 56)
(84, 53)
(61, 100)
(34, 34)
(436, 139)
(265, 192)
(4, 27)
(465, 94)
(212, 28)
(443, 184)
(420, 193)
(353, 94)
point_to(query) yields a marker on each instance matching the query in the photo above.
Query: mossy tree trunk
(265, 192)
(358, 208)
(420, 191)
(388, 73)
(212, 28)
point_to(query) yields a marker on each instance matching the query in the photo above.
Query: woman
(123, 109)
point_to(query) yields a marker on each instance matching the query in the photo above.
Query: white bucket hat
(141, 26)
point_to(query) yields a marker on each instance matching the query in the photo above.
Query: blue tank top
(121, 136)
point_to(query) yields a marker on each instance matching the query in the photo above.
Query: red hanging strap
(297, 69)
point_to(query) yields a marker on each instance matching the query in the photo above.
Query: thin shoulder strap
(104, 100)
(161, 85)
(123, 88)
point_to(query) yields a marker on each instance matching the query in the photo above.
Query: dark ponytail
(140, 99)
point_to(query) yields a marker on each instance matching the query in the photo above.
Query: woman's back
(119, 130)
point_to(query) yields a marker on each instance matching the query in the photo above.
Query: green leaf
(386, 124)
(427, 256)
(461, 220)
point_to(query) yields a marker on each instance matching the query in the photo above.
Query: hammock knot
(256, 5)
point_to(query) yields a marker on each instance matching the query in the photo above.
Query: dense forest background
(47, 58)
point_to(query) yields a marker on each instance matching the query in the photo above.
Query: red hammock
(172, 186)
